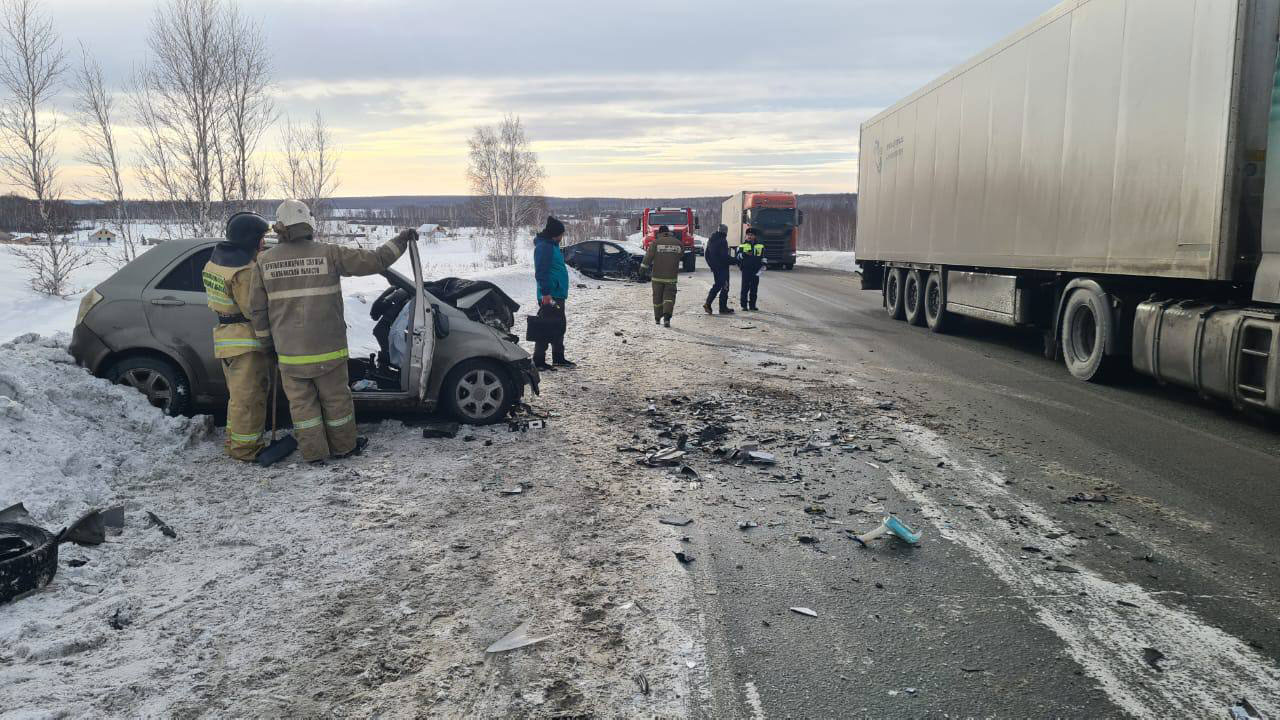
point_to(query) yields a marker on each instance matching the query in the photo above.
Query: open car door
(422, 333)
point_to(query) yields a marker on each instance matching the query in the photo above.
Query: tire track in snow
(1206, 668)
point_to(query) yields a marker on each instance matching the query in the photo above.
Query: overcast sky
(620, 98)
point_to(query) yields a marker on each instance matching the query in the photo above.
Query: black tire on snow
(164, 384)
(936, 317)
(913, 298)
(893, 293)
(1086, 324)
(486, 411)
(28, 559)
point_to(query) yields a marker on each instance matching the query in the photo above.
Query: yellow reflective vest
(228, 291)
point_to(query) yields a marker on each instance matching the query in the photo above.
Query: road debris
(516, 639)
(807, 539)
(440, 430)
(804, 611)
(675, 520)
(15, 513)
(1153, 657)
(1085, 497)
(891, 525)
(164, 528)
(1244, 710)
(666, 457)
(747, 524)
(642, 682)
(684, 557)
(28, 559)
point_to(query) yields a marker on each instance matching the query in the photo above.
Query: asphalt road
(1175, 610)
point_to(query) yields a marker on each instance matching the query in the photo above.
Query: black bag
(542, 329)
(546, 327)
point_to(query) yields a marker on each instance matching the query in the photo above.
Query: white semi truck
(1102, 176)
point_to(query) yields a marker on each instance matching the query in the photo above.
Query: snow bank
(66, 435)
(829, 259)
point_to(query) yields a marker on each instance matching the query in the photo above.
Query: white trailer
(1100, 175)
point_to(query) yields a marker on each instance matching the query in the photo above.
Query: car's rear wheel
(163, 382)
(478, 392)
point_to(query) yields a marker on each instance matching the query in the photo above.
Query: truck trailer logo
(895, 148)
(879, 157)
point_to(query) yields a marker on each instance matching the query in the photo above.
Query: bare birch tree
(32, 63)
(310, 171)
(178, 98)
(95, 110)
(249, 110)
(506, 177)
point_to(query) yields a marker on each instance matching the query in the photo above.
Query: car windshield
(668, 218)
(773, 217)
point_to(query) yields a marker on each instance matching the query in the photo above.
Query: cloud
(662, 98)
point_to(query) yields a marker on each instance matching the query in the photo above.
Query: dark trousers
(554, 311)
(720, 286)
(750, 288)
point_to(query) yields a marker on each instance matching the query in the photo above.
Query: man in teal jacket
(553, 291)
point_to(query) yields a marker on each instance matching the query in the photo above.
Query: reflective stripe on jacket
(750, 256)
(297, 300)
(664, 256)
(229, 291)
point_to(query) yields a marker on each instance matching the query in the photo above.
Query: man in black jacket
(717, 255)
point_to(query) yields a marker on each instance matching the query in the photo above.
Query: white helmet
(292, 212)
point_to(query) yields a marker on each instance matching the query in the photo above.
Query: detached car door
(422, 333)
(180, 319)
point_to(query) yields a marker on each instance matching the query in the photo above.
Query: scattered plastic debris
(747, 524)
(164, 528)
(804, 611)
(684, 557)
(1244, 710)
(1153, 657)
(440, 430)
(642, 682)
(758, 457)
(516, 639)
(807, 539)
(1064, 569)
(675, 520)
(15, 513)
(665, 457)
(891, 525)
(1089, 498)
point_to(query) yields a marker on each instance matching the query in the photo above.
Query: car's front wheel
(163, 382)
(478, 392)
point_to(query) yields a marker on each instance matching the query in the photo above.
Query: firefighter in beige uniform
(243, 354)
(299, 302)
(662, 260)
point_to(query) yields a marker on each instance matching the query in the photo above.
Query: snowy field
(22, 310)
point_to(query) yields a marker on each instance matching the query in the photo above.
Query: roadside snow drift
(66, 435)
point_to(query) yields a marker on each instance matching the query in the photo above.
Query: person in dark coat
(751, 264)
(717, 256)
(553, 291)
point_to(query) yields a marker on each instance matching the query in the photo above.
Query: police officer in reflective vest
(751, 264)
(662, 260)
(298, 300)
(242, 353)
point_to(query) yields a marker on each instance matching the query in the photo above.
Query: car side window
(611, 249)
(186, 276)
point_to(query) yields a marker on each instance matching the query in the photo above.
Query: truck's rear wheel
(893, 293)
(913, 298)
(1086, 325)
(936, 316)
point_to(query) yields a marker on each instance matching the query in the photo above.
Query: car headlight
(91, 298)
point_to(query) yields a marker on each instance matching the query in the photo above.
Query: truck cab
(776, 218)
(680, 221)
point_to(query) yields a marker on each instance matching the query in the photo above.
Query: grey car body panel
(1108, 136)
(125, 322)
